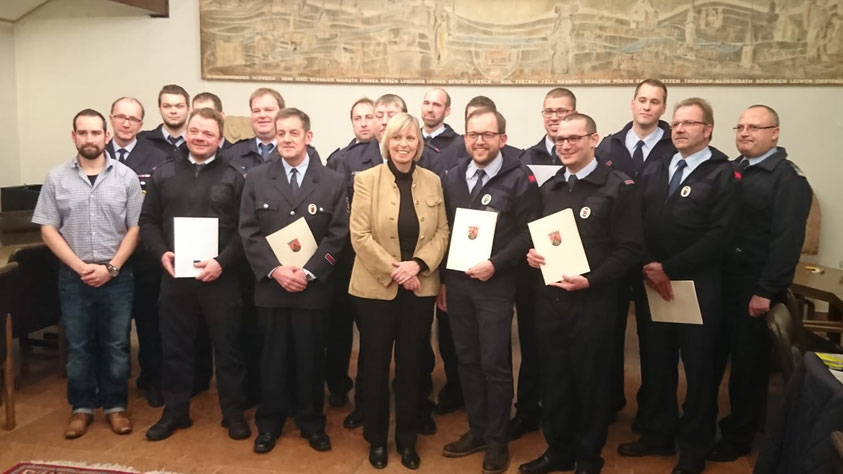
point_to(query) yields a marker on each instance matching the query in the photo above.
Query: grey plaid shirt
(92, 219)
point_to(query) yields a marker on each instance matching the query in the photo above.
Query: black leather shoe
(427, 425)
(199, 388)
(264, 442)
(337, 400)
(467, 444)
(544, 464)
(725, 451)
(448, 404)
(165, 427)
(353, 420)
(645, 447)
(409, 458)
(519, 425)
(496, 460)
(377, 457)
(154, 398)
(237, 427)
(318, 440)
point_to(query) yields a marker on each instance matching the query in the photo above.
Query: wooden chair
(8, 290)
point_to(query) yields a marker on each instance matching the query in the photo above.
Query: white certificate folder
(293, 245)
(196, 239)
(557, 239)
(683, 308)
(471, 238)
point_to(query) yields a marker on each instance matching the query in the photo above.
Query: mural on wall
(524, 43)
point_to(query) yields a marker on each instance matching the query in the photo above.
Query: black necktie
(294, 183)
(428, 139)
(266, 149)
(638, 156)
(677, 177)
(197, 168)
(572, 180)
(173, 140)
(554, 158)
(743, 165)
(121, 155)
(478, 186)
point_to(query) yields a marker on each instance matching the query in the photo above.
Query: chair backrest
(782, 333)
(37, 305)
(8, 291)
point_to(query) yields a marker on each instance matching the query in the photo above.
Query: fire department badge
(486, 199)
(472, 232)
(311, 208)
(686, 190)
(555, 238)
(294, 244)
(585, 212)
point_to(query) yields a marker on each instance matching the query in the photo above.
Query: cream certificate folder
(293, 245)
(544, 172)
(471, 238)
(196, 239)
(684, 308)
(557, 239)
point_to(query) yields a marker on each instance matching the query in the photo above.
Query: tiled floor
(42, 411)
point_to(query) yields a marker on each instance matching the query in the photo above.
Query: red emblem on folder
(555, 238)
(294, 244)
(472, 232)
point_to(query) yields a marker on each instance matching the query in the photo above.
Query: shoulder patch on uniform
(629, 182)
(738, 175)
(609, 163)
(796, 169)
(531, 178)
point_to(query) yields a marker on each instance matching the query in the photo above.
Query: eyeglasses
(751, 128)
(686, 123)
(123, 118)
(547, 113)
(487, 136)
(572, 139)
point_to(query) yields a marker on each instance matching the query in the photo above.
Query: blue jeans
(97, 322)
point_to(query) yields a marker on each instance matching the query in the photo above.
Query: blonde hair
(397, 123)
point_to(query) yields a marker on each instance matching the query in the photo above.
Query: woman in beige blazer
(399, 231)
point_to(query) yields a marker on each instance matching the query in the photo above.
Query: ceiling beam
(156, 8)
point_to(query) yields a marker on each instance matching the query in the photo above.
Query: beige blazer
(374, 232)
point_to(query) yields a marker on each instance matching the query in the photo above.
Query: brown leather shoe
(78, 425)
(119, 422)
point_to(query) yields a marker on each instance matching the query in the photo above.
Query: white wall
(72, 54)
(9, 165)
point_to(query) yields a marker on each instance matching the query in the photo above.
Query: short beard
(177, 125)
(85, 152)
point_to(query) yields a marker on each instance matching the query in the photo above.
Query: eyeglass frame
(687, 123)
(752, 128)
(559, 141)
(487, 136)
(123, 118)
(548, 113)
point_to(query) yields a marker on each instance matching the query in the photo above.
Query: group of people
(653, 203)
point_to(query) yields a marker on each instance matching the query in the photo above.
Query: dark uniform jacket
(143, 159)
(612, 150)
(176, 189)
(538, 155)
(514, 196)
(689, 235)
(268, 206)
(610, 229)
(245, 155)
(450, 146)
(337, 155)
(155, 137)
(775, 199)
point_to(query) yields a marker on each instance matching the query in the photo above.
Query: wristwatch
(112, 270)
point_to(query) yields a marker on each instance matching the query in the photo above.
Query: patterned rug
(66, 467)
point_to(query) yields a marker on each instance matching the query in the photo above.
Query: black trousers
(630, 288)
(184, 303)
(145, 311)
(481, 318)
(573, 332)
(529, 376)
(340, 329)
(746, 341)
(292, 369)
(696, 344)
(251, 336)
(404, 323)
